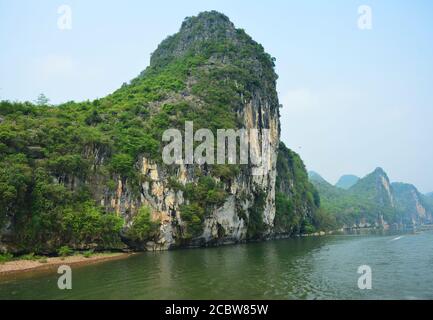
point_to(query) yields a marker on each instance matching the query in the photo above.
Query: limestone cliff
(91, 174)
(411, 206)
(255, 106)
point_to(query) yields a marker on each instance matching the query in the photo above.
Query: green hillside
(298, 208)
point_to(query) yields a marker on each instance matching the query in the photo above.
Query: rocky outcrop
(412, 207)
(259, 109)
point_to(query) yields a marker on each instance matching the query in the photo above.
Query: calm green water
(306, 268)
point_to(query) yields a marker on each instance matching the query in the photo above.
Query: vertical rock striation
(230, 55)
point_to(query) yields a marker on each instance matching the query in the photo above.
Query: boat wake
(397, 238)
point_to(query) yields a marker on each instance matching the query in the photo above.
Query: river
(299, 268)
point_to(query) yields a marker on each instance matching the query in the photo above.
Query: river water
(300, 268)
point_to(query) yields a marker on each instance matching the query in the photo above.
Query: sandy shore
(21, 266)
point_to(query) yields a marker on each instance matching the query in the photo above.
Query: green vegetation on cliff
(53, 159)
(203, 196)
(373, 199)
(411, 205)
(298, 207)
(142, 226)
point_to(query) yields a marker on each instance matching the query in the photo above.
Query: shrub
(88, 223)
(193, 216)
(65, 251)
(307, 227)
(5, 257)
(88, 254)
(255, 219)
(30, 256)
(122, 164)
(143, 228)
(43, 260)
(203, 196)
(284, 215)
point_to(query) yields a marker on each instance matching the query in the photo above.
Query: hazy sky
(353, 99)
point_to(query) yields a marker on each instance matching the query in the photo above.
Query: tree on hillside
(42, 100)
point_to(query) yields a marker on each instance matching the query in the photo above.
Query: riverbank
(22, 266)
(26, 265)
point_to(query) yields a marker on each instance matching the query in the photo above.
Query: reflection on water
(301, 268)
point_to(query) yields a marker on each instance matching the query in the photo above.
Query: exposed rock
(260, 111)
(411, 206)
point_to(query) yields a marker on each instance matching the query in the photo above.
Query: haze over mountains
(373, 200)
(346, 181)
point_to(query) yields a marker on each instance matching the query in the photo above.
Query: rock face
(411, 205)
(377, 188)
(258, 108)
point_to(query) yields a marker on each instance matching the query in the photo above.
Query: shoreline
(16, 267)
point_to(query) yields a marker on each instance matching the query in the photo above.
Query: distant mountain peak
(313, 175)
(411, 204)
(377, 187)
(346, 181)
(375, 200)
(379, 170)
(318, 179)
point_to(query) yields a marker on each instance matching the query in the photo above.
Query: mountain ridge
(346, 181)
(375, 200)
